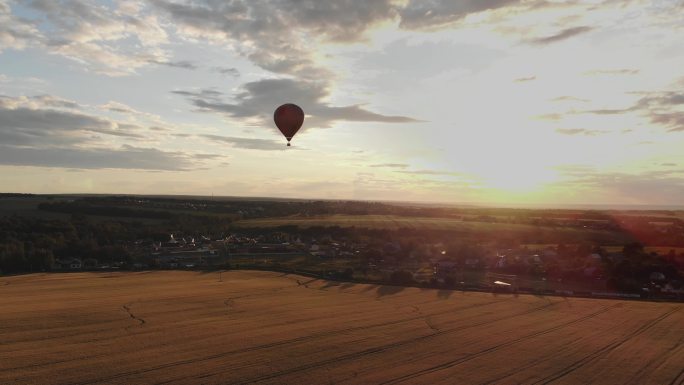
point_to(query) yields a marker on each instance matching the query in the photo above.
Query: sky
(474, 101)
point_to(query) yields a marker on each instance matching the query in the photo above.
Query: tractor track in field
(528, 365)
(262, 330)
(604, 350)
(127, 308)
(376, 350)
(489, 350)
(521, 368)
(661, 358)
(230, 302)
(679, 380)
(429, 323)
(290, 341)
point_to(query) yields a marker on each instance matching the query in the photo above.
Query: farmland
(456, 226)
(379, 222)
(262, 327)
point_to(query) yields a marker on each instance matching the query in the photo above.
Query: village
(550, 251)
(554, 269)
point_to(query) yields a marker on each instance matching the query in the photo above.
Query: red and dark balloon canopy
(289, 118)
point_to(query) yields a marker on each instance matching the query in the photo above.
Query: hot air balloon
(289, 118)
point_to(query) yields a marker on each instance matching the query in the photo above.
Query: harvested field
(456, 226)
(391, 222)
(261, 327)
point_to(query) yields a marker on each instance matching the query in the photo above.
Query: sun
(520, 179)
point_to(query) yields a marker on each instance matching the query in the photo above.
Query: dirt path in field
(127, 308)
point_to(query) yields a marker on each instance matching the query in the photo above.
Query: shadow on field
(347, 285)
(444, 294)
(306, 284)
(330, 284)
(389, 290)
(506, 294)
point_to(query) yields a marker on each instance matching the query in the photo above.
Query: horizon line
(561, 206)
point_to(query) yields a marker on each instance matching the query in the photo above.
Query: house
(472, 262)
(67, 264)
(89, 263)
(391, 248)
(549, 253)
(534, 260)
(616, 257)
(443, 267)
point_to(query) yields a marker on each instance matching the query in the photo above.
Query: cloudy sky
(480, 101)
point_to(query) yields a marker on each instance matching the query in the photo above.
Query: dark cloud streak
(525, 79)
(26, 126)
(247, 143)
(231, 71)
(390, 165)
(562, 35)
(42, 136)
(661, 108)
(260, 98)
(420, 14)
(183, 64)
(619, 71)
(578, 131)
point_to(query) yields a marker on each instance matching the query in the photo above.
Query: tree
(12, 256)
(633, 249)
(402, 277)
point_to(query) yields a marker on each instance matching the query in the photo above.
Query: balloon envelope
(289, 118)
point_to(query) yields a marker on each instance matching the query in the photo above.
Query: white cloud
(92, 34)
(16, 33)
(50, 131)
(282, 41)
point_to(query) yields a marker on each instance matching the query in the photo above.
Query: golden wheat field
(244, 327)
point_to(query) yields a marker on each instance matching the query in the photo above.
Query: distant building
(68, 264)
(472, 262)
